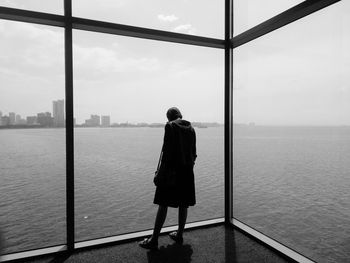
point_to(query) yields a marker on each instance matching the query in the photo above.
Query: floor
(212, 244)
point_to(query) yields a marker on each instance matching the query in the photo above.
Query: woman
(178, 156)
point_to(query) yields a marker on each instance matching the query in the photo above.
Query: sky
(296, 75)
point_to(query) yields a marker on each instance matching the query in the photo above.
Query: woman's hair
(173, 113)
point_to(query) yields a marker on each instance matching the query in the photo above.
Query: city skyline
(95, 120)
(57, 119)
(46, 119)
(43, 119)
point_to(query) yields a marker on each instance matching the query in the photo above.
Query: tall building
(58, 113)
(12, 117)
(18, 119)
(96, 120)
(45, 119)
(31, 120)
(106, 121)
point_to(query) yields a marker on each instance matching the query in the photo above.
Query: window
(291, 111)
(32, 136)
(291, 138)
(130, 83)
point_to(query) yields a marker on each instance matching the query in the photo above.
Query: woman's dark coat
(179, 152)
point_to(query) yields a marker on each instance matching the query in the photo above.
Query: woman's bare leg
(160, 219)
(182, 220)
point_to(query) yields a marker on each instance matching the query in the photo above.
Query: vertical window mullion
(69, 124)
(228, 112)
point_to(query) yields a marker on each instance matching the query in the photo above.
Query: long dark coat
(179, 152)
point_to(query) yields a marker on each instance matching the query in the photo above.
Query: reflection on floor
(212, 244)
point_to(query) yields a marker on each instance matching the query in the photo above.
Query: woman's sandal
(176, 238)
(148, 244)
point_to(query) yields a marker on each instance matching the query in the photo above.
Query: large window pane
(32, 137)
(249, 13)
(291, 163)
(195, 17)
(132, 81)
(52, 6)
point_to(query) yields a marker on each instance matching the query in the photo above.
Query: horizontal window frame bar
(137, 235)
(118, 239)
(295, 13)
(33, 253)
(145, 33)
(20, 15)
(270, 242)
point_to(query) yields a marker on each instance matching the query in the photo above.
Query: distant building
(5, 121)
(0, 117)
(18, 119)
(58, 113)
(31, 120)
(12, 117)
(88, 122)
(45, 119)
(105, 121)
(94, 121)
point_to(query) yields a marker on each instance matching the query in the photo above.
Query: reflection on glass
(195, 17)
(52, 6)
(32, 137)
(123, 87)
(292, 134)
(249, 13)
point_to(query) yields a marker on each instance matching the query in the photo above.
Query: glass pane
(248, 14)
(32, 151)
(52, 6)
(292, 134)
(133, 82)
(195, 17)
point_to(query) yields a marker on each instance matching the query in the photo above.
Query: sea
(290, 183)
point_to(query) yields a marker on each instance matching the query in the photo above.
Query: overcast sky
(296, 75)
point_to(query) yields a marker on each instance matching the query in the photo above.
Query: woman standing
(174, 178)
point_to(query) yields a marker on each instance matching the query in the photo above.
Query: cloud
(186, 29)
(31, 49)
(98, 61)
(167, 18)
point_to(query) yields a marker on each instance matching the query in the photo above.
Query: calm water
(292, 184)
